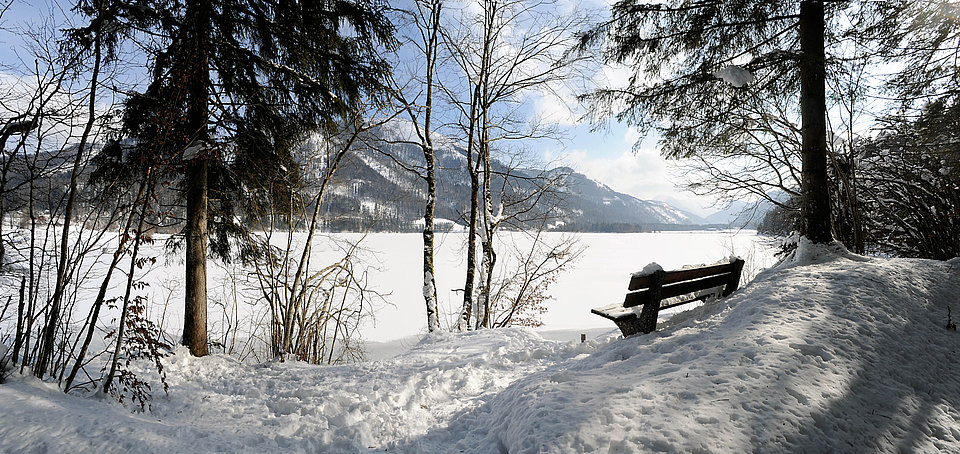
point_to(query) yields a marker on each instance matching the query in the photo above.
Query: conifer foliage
(698, 63)
(911, 184)
(235, 85)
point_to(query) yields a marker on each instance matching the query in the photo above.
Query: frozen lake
(394, 263)
(598, 278)
(393, 266)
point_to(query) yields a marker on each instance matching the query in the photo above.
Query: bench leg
(646, 322)
(628, 325)
(635, 325)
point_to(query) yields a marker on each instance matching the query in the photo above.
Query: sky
(605, 153)
(608, 152)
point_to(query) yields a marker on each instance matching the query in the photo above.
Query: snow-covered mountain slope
(594, 205)
(828, 352)
(373, 191)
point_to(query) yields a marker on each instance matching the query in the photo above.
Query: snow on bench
(655, 290)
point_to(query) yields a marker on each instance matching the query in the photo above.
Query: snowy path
(218, 405)
(830, 353)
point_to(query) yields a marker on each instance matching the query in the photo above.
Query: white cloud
(613, 75)
(642, 175)
(559, 106)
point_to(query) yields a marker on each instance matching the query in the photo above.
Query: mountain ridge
(374, 192)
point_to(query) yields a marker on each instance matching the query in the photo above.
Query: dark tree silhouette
(236, 84)
(696, 64)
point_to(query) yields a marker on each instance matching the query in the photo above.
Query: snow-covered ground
(828, 352)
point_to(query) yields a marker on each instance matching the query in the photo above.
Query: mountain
(740, 214)
(593, 205)
(374, 191)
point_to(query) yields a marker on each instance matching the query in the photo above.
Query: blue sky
(604, 153)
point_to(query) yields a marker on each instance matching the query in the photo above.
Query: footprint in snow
(812, 350)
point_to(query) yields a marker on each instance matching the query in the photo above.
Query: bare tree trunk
(15, 126)
(489, 226)
(195, 305)
(297, 288)
(105, 284)
(854, 203)
(815, 207)
(18, 341)
(463, 324)
(465, 314)
(32, 271)
(429, 279)
(478, 109)
(851, 182)
(63, 267)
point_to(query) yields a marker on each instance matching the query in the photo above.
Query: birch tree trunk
(429, 279)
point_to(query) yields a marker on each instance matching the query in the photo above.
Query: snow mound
(809, 253)
(217, 404)
(651, 268)
(829, 352)
(839, 355)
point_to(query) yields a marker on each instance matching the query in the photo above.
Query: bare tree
(513, 50)
(62, 114)
(45, 111)
(424, 30)
(533, 264)
(88, 40)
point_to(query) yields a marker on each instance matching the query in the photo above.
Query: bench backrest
(661, 285)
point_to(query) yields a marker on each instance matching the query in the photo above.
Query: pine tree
(925, 38)
(697, 63)
(235, 85)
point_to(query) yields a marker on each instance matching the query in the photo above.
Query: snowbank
(734, 75)
(829, 352)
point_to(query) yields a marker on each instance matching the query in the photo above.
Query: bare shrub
(520, 297)
(317, 321)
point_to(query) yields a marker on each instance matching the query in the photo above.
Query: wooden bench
(686, 286)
